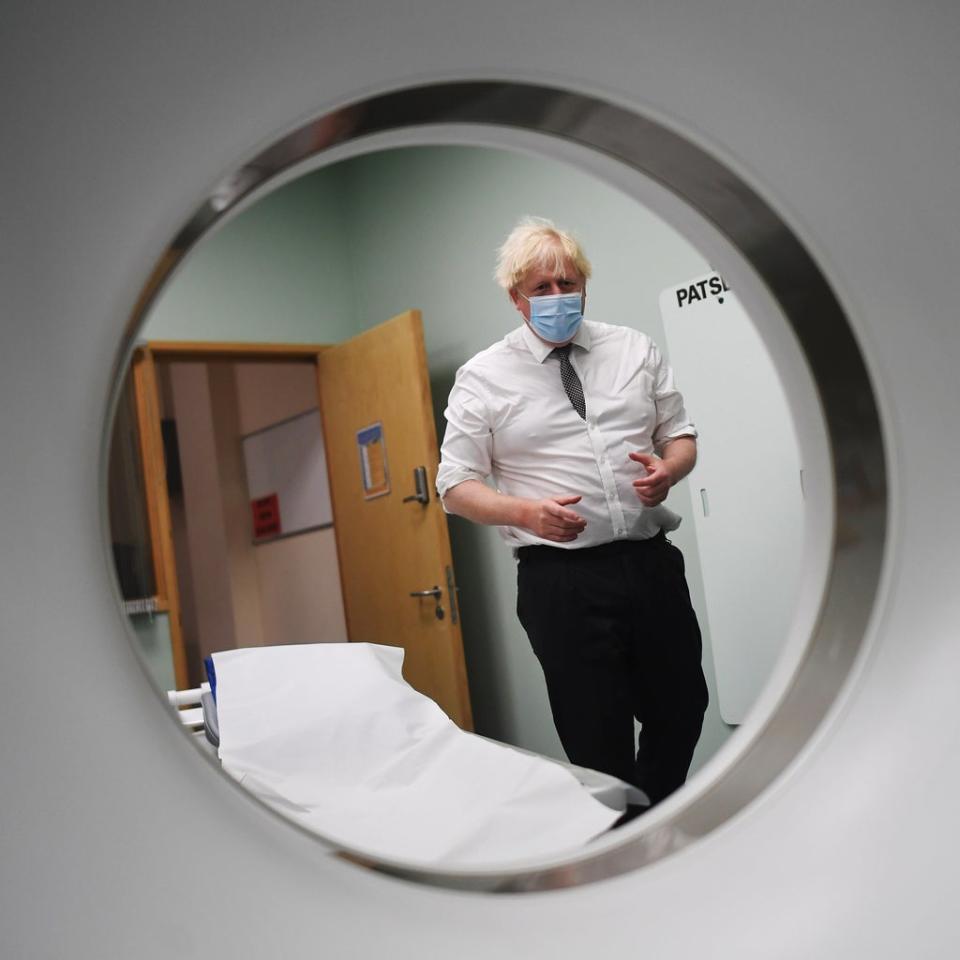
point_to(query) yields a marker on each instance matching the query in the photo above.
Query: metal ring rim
(816, 317)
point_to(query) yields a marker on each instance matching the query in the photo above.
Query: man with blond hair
(580, 429)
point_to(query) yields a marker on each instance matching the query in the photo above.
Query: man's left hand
(654, 487)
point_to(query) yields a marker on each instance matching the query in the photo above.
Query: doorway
(242, 584)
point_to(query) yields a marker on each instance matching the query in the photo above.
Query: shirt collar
(541, 350)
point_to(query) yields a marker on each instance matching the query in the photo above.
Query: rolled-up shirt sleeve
(672, 418)
(467, 442)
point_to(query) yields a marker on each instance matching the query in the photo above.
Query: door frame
(153, 462)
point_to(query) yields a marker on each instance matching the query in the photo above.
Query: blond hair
(536, 242)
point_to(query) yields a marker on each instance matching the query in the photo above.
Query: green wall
(153, 639)
(346, 248)
(279, 271)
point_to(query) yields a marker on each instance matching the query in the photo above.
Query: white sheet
(332, 736)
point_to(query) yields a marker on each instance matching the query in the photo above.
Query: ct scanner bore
(779, 260)
(844, 116)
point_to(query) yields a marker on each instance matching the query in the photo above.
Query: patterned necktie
(571, 382)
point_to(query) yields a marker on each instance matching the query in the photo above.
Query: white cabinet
(746, 488)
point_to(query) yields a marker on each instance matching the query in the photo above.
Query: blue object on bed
(211, 676)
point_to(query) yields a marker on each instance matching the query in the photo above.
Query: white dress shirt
(509, 420)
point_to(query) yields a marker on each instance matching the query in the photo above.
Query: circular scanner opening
(803, 329)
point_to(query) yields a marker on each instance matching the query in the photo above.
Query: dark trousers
(617, 638)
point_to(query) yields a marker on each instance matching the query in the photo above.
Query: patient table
(417, 756)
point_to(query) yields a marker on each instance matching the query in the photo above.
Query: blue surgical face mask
(556, 317)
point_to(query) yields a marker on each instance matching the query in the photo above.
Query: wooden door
(378, 427)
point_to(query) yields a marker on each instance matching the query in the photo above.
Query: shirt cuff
(449, 478)
(683, 430)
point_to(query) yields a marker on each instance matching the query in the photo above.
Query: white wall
(298, 577)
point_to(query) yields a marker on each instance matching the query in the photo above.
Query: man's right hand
(548, 518)
(551, 520)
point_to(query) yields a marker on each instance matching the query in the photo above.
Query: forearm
(679, 456)
(477, 502)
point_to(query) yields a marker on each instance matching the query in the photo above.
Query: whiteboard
(748, 502)
(287, 460)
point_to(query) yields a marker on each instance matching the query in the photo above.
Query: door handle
(434, 592)
(420, 485)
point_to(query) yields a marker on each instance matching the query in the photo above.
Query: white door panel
(746, 488)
